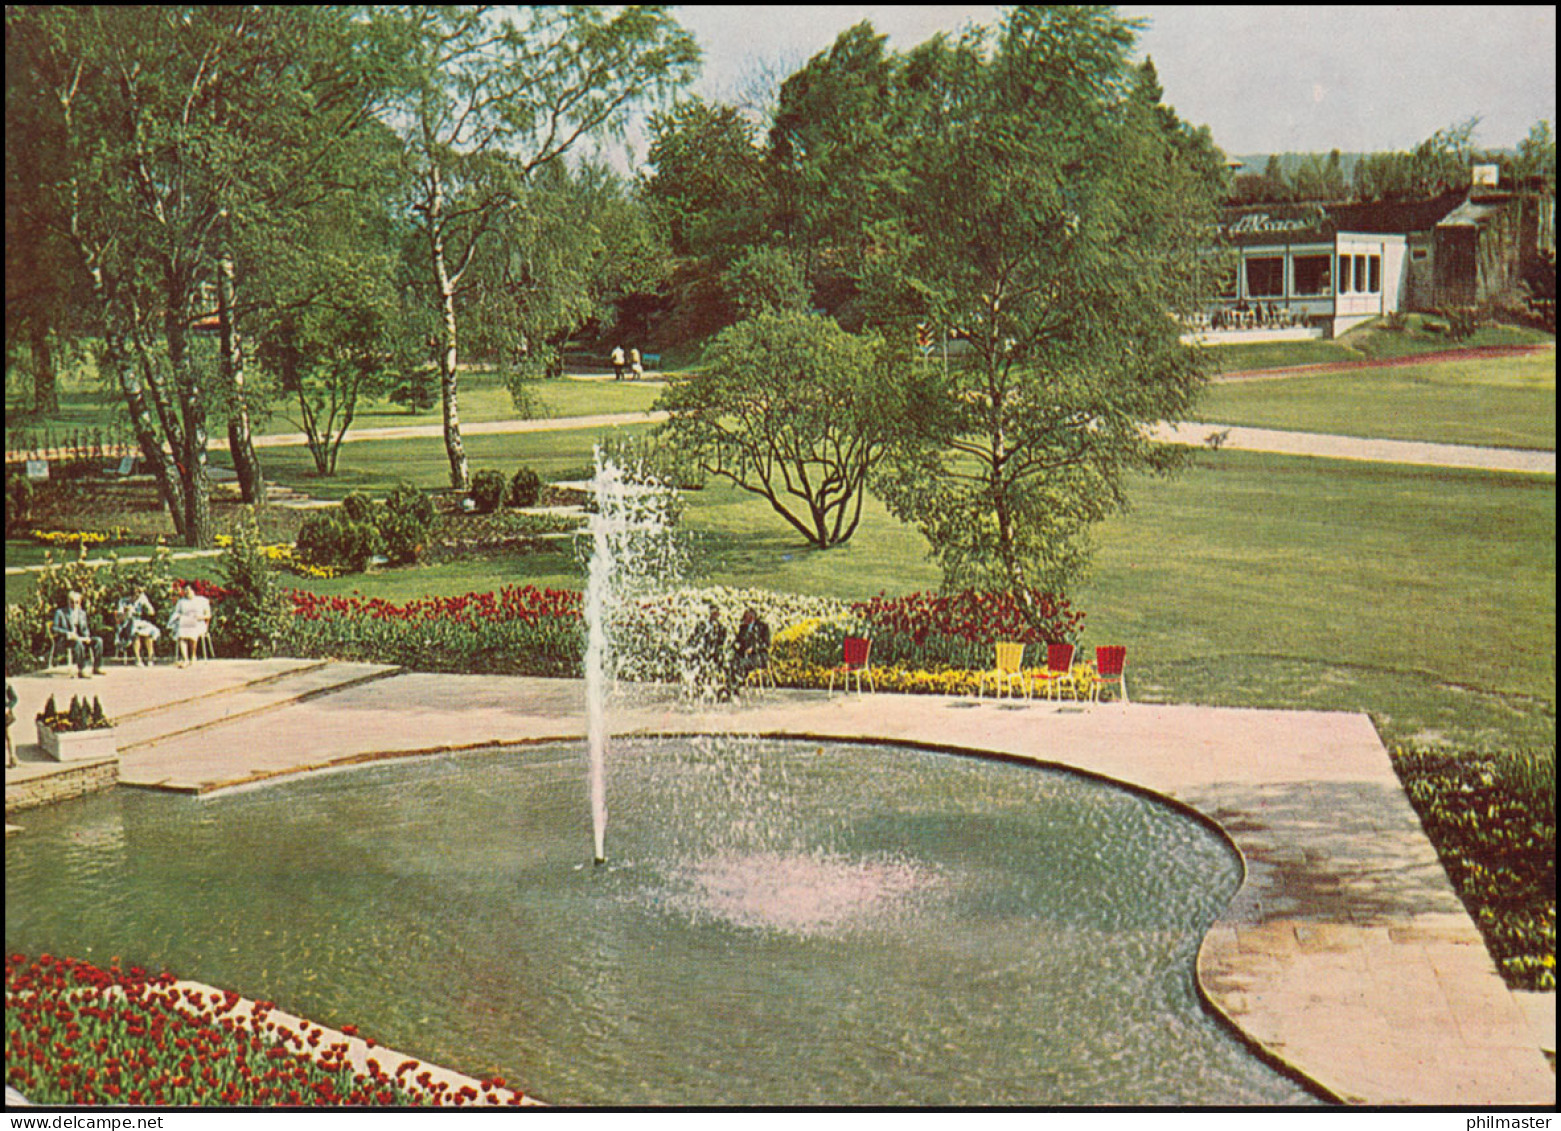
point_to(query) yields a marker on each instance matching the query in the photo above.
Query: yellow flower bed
(908, 681)
(85, 537)
(281, 554)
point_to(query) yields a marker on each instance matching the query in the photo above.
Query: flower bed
(109, 537)
(284, 556)
(519, 630)
(918, 681)
(78, 1034)
(958, 630)
(1493, 822)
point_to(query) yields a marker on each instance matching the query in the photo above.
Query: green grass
(483, 397)
(1372, 340)
(1506, 404)
(376, 466)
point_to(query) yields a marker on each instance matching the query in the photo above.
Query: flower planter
(77, 745)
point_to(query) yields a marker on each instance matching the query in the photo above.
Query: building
(1314, 270)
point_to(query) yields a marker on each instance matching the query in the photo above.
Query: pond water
(778, 922)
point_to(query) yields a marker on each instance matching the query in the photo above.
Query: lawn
(483, 397)
(1372, 340)
(1510, 403)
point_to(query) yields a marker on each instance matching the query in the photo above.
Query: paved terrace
(1346, 954)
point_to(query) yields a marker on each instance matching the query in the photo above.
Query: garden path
(1191, 432)
(1346, 953)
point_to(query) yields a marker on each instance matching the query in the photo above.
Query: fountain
(632, 554)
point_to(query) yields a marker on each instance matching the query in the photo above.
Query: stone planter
(77, 745)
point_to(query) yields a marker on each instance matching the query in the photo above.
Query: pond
(777, 922)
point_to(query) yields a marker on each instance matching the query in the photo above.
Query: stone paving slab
(1345, 954)
(251, 699)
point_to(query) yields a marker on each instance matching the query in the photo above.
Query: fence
(75, 450)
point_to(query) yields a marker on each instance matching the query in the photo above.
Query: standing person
(133, 616)
(753, 646)
(636, 370)
(188, 622)
(73, 629)
(617, 363)
(10, 717)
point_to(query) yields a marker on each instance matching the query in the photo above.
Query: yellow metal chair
(1008, 672)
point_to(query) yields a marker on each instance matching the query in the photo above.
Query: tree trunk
(46, 393)
(193, 471)
(117, 361)
(449, 394)
(251, 480)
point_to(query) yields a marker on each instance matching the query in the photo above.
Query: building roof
(1382, 216)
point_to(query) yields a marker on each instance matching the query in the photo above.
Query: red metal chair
(857, 649)
(1110, 663)
(1059, 670)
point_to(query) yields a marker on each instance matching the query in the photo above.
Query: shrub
(524, 488)
(1462, 322)
(19, 499)
(487, 491)
(358, 507)
(405, 499)
(248, 623)
(328, 539)
(402, 536)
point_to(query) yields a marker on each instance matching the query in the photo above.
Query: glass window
(1360, 274)
(1374, 279)
(1312, 274)
(1344, 275)
(1266, 277)
(1419, 254)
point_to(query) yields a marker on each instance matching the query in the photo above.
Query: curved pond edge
(1274, 1060)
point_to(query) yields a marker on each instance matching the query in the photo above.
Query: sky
(1264, 79)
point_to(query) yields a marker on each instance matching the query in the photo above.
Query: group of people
(630, 362)
(135, 629)
(728, 671)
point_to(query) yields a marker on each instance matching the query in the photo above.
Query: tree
(793, 409)
(487, 101)
(175, 130)
(1055, 217)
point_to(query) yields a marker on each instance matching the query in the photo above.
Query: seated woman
(188, 621)
(134, 628)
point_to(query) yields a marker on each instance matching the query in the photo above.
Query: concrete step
(149, 728)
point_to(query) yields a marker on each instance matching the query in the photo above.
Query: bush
(19, 499)
(487, 491)
(358, 507)
(525, 488)
(328, 539)
(402, 536)
(249, 621)
(407, 500)
(1462, 322)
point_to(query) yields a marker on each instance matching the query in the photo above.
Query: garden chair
(857, 649)
(1110, 663)
(1008, 672)
(1059, 671)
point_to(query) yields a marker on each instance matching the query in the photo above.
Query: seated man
(72, 628)
(753, 646)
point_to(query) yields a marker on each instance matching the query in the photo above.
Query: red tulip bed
(78, 1034)
(957, 630)
(520, 630)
